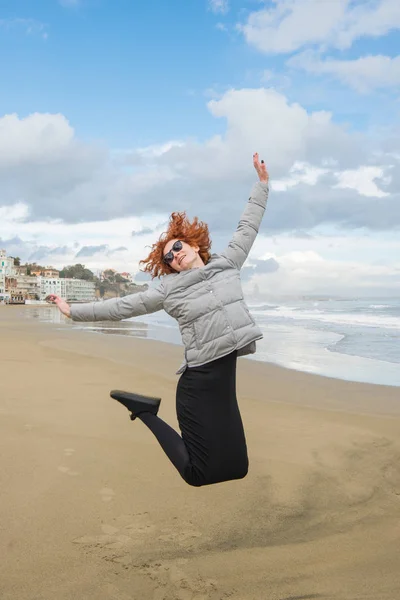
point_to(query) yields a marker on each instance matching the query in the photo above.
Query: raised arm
(115, 309)
(246, 232)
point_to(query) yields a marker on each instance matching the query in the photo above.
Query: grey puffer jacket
(207, 302)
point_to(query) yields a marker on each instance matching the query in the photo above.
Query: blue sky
(135, 73)
(127, 110)
(146, 64)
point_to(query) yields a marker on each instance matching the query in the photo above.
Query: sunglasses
(169, 257)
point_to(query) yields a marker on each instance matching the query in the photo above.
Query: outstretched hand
(61, 304)
(260, 168)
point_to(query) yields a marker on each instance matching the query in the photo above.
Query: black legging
(212, 448)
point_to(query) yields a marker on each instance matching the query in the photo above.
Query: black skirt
(210, 422)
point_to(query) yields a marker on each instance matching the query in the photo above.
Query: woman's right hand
(61, 304)
(260, 168)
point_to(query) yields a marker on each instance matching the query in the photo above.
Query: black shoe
(135, 403)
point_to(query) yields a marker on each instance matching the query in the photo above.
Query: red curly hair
(194, 233)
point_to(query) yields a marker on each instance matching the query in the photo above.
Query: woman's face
(184, 258)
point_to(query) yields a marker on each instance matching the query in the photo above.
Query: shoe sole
(128, 398)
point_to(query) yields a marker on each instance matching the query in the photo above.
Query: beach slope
(92, 509)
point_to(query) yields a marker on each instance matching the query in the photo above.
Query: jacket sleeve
(117, 309)
(246, 232)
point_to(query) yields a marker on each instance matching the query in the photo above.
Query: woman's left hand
(260, 168)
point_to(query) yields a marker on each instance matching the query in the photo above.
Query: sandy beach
(92, 509)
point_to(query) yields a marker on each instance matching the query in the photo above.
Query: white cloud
(13, 215)
(158, 150)
(219, 6)
(44, 165)
(363, 74)
(299, 173)
(363, 181)
(54, 242)
(327, 262)
(274, 79)
(372, 18)
(34, 139)
(292, 24)
(307, 272)
(28, 26)
(254, 119)
(323, 263)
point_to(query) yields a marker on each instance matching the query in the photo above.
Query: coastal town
(32, 283)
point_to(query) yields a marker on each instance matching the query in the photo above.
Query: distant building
(21, 270)
(48, 286)
(47, 272)
(127, 276)
(22, 287)
(16, 285)
(7, 269)
(50, 272)
(109, 272)
(67, 288)
(6, 263)
(81, 290)
(36, 272)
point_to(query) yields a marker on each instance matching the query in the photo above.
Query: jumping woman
(203, 292)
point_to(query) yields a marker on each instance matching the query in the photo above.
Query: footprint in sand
(118, 540)
(182, 535)
(114, 544)
(125, 540)
(173, 583)
(109, 529)
(111, 537)
(67, 471)
(107, 494)
(140, 524)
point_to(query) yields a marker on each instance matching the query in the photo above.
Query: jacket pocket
(210, 327)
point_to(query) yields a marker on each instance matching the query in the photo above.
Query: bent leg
(173, 446)
(212, 448)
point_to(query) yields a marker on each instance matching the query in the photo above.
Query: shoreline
(325, 362)
(127, 348)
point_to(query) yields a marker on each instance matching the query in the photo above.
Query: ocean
(353, 339)
(349, 338)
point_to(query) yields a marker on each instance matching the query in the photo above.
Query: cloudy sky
(115, 113)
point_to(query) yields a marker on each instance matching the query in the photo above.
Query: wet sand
(92, 509)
